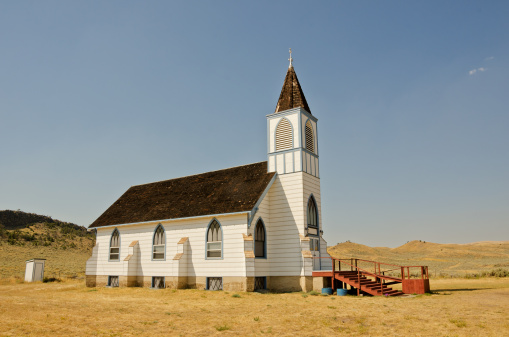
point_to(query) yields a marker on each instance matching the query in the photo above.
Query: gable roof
(291, 95)
(235, 189)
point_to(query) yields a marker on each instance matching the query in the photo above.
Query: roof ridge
(197, 174)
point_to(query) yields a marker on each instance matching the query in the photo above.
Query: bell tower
(292, 131)
(293, 153)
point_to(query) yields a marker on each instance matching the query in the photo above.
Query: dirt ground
(458, 307)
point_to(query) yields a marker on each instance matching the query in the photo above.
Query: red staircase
(373, 278)
(366, 285)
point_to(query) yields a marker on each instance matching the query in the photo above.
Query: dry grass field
(459, 307)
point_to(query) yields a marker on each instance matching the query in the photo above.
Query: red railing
(376, 269)
(379, 270)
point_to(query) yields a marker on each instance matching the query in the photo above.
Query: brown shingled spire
(292, 95)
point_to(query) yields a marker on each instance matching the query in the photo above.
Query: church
(246, 228)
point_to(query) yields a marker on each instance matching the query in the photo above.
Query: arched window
(115, 246)
(259, 239)
(310, 144)
(284, 136)
(159, 243)
(214, 240)
(312, 217)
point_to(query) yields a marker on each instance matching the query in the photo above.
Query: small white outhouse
(34, 270)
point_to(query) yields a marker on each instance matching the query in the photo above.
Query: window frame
(153, 279)
(259, 279)
(118, 247)
(262, 224)
(214, 277)
(109, 281)
(292, 146)
(164, 245)
(207, 257)
(312, 200)
(313, 143)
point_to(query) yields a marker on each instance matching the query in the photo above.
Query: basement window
(260, 283)
(214, 283)
(158, 282)
(112, 281)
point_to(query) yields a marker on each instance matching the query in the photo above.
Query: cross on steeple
(290, 59)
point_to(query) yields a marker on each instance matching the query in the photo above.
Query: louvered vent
(284, 135)
(310, 145)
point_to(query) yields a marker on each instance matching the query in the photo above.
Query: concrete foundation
(230, 283)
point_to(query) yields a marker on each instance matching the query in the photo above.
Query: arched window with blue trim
(159, 243)
(115, 246)
(260, 239)
(214, 240)
(312, 217)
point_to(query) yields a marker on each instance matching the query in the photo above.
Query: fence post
(358, 279)
(333, 274)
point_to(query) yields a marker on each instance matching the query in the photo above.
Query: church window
(312, 217)
(214, 240)
(115, 246)
(159, 243)
(284, 136)
(310, 145)
(259, 239)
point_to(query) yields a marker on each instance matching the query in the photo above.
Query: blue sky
(412, 101)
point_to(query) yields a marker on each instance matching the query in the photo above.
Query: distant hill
(24, 236)
(442, 259)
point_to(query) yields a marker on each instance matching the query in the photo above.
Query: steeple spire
(291, 95)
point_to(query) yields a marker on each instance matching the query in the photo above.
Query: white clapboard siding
(232, 263)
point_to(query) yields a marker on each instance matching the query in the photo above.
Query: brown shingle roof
(292, 95)
(235, 189)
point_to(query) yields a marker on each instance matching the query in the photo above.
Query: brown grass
(460, 307)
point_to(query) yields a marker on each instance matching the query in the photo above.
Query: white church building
(244, 228)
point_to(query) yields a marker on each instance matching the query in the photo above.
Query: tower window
(284, 136)
(312, 217)
(310, 144)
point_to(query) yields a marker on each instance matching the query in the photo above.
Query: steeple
(292, 95)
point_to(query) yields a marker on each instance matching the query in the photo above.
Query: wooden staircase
(373, 278)
(366, 285)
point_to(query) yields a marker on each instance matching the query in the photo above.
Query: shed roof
(231, 190)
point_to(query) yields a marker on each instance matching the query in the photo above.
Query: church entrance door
(314, 247)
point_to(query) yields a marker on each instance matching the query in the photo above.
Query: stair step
(366, 283)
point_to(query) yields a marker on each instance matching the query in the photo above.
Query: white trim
(175, 219)
(291, 111)
(255, 208)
